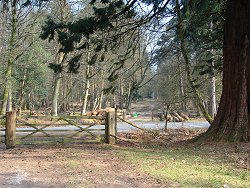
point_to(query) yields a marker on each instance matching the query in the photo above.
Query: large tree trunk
(232, 121)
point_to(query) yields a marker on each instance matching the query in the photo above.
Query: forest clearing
(124, 93)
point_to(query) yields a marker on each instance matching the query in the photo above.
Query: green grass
(188, 167)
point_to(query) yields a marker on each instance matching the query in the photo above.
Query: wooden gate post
(110, 127)
(10, 130)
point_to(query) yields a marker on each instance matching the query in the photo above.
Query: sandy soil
(71, 165)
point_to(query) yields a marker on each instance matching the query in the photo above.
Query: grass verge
(189, 167)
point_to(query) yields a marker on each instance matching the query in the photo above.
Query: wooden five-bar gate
(33, 129)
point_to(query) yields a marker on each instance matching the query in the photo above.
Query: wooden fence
(31, 126)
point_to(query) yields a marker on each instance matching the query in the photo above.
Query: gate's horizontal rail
(66, 117)
(18, 125)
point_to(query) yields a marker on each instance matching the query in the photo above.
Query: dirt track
(74, 165)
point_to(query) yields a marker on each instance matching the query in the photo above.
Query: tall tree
(232, 122)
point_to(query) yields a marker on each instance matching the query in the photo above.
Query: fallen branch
(124, 139)
(132, 124)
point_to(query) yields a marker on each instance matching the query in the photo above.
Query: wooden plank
(10, 141)
(65, 117)
(19, 124)
(86, 117)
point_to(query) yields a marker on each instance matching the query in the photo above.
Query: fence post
(124, 114)
(10, 130)
(110, 128)
(115, 121)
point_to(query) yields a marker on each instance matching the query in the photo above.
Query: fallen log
(125, 140)
(168, 117)
(180, 119)
(184, 116)
(175, 119)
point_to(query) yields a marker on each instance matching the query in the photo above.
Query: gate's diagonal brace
(78, 126)
(83, 130)
(37, 129)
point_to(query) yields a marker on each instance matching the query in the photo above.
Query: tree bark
(93, 93)
(86, 93)
(7, 88)
(57, 87)
(121, 92)
(182, 93)
(129, 97)
(56, 95)
(101, 91)
(232, 120)
(21, 97)
(9, 103)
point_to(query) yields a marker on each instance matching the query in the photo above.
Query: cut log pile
(100, 112)
(172, 116)
(176, 117)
